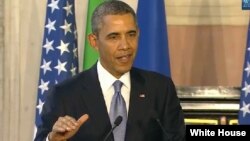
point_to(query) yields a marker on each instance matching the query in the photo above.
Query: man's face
(116, 43)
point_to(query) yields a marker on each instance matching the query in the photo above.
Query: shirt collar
(108, 79)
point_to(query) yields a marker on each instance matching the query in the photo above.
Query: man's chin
(124, 69)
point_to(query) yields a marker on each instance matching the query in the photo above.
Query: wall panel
(207, 55)
(206, 12)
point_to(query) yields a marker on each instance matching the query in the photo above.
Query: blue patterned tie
(118, 108)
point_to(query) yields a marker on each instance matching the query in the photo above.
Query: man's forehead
(118, 20)
(118, 16)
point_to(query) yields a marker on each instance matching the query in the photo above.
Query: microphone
(117, 122)
(168, 136)
(161, 126)
(156, 118)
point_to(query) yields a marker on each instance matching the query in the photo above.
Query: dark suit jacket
(83, 95)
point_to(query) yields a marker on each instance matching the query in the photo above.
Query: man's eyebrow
(112, 34)
(132, 31)
(117, 33)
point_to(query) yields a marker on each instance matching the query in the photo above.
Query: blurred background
(206, 40)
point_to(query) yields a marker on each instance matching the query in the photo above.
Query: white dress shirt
(106, 81)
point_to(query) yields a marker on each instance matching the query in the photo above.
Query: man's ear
(93, 41)
(138, 32)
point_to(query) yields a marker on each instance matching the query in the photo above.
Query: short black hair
(111, 7)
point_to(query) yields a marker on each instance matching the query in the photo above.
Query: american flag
(59, 50)
(244, 112)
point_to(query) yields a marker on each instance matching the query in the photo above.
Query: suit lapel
(138, 107)
(93, 98)
(138, 96)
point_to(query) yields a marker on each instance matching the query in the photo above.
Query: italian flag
(90, 55)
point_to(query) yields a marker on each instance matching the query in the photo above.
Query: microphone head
(157, 119)
(118, 120)
(154, 114)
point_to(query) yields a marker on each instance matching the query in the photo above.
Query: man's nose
(124, 43)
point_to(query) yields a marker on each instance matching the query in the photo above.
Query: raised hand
(65, 127)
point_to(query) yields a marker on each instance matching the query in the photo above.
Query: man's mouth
(124, 58)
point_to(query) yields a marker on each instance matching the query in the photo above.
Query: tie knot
(117, 85)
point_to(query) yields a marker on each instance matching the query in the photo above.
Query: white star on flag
(246, 89)
(66, 27)
(40, 106)
(247, 69)
(46, 66)
(44, 86)
(48, 46)
(68, 8)
(63, 47)
(75, 52)
(60, 67)
(73, 70)
(53, 5)
(51, 25)
(245, 109)
(75, 33)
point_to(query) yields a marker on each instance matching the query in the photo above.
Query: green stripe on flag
(90, 55)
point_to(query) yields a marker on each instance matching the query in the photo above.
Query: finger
(70, 122)
(58, 127)
(64, 124)
(70, 118)
(83, 119)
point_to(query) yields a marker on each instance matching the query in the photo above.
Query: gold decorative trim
(191, 121)
(233, 122)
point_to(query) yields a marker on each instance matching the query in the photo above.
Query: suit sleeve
(173, 118)
(52, 109)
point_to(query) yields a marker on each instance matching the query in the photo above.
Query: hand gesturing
(65, 127)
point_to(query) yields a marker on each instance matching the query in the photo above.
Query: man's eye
(132, 34)
(113, 37)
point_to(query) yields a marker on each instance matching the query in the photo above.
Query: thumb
(82, 119)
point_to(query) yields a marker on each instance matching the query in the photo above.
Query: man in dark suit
(78, 109)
